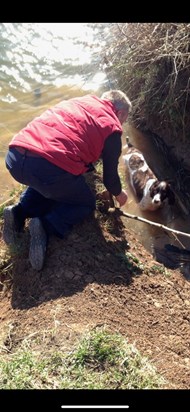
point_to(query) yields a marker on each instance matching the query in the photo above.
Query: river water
(43, 63)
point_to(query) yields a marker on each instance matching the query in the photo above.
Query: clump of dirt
(99, 275)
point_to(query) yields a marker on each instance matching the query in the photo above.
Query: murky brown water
(16, 116)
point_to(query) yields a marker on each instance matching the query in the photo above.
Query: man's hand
(107, 200)
(122, 198)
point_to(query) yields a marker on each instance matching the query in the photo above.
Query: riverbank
(100, 276)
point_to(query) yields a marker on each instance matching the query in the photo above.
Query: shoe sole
(9, 233)
(37, 244)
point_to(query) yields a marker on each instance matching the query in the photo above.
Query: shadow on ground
(86, 256)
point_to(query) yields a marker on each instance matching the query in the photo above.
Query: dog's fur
(150, 192)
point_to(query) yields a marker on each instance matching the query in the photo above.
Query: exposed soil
(87, 282)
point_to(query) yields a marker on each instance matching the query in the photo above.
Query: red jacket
(71, 134)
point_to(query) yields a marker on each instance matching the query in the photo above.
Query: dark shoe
(12, 225)
(38, 243)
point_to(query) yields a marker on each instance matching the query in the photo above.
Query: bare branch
(141, 219)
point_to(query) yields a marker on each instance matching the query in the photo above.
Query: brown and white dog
(150, 192)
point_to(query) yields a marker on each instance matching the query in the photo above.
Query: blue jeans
(59, 198)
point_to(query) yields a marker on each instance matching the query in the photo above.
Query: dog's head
(160, 191)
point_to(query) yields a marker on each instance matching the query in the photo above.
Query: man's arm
(110, 158)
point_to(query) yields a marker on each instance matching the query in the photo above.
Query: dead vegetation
(151, 62)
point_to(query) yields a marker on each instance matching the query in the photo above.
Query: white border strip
(94, 406)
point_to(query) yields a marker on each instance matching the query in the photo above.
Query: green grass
(101, 360)
(160, 269)
(131, 261)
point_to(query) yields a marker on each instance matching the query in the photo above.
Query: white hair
(118, 98)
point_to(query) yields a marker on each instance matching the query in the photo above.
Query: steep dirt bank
(99, 275)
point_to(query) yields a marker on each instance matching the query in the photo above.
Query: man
(51, 155)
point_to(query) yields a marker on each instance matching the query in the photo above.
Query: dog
(151, 193)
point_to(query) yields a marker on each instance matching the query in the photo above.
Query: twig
(141, 219)
(12, 198)
(8, 201)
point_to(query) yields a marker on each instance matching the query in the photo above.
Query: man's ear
(122, 115)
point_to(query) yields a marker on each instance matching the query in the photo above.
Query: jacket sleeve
(110, 158)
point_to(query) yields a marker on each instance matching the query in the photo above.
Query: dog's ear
(171, 195)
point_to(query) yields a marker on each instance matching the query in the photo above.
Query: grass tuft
(102, 360)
